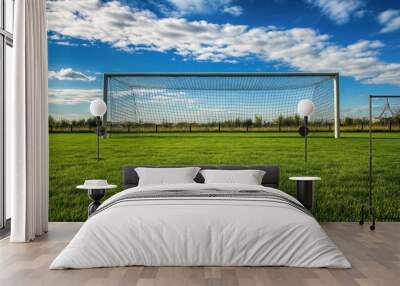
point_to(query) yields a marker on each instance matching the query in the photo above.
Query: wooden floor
(375, 257)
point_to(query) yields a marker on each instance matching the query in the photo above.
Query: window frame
(6, 39)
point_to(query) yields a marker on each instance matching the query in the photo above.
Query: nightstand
(305, 190)
(96, 190)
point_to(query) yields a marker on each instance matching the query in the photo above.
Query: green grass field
(342, 164)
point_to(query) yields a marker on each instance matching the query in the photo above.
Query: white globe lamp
(305, 108)
(98, 108)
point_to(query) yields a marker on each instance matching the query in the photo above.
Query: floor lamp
(98, 108)
(305, 108)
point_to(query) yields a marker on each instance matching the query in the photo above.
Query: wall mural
(231, 120)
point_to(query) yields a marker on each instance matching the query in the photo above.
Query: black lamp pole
(98, 137)
(305, 137)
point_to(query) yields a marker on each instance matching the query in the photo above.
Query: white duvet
(200, 231)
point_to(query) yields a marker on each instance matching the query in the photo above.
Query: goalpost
(209, 99)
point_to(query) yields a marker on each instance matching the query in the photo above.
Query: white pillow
(248, 177)
(166, 176)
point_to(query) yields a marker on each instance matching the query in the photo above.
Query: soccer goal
(219, 99)
(382, 109)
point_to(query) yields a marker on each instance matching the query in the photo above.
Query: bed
(197, 224)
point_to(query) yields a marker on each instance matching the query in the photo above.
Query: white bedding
(200, 231)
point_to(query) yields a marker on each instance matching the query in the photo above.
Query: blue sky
(358, 38)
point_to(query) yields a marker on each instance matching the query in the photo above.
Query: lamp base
(305, 193)
(303, 131)
(95, 195)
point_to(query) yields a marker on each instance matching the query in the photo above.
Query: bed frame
(130, 178)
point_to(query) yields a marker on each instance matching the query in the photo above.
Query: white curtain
(26, 124)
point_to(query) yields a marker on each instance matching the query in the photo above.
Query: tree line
(256, 122)
(65, 123)
(238, 122)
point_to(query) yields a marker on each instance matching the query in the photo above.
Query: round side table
(95, 193)
(305, 190)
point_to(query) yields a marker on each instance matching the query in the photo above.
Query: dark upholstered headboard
(130, 178)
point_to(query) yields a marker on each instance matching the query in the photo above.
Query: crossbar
(384, 96)
(230, 74)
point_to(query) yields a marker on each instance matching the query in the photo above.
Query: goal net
(385, 108)
(385, 112)
(205, 100)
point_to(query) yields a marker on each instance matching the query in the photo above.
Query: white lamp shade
(98, 107)
(305, 107)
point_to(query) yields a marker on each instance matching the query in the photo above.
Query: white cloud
(69, 44)
(73, 96)
(234, 10)
(70, 74)
(64, 41)
(195, 6)
(340, 11)
(55, 37)
(390, 19)
(184, 7)
(303, 49)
